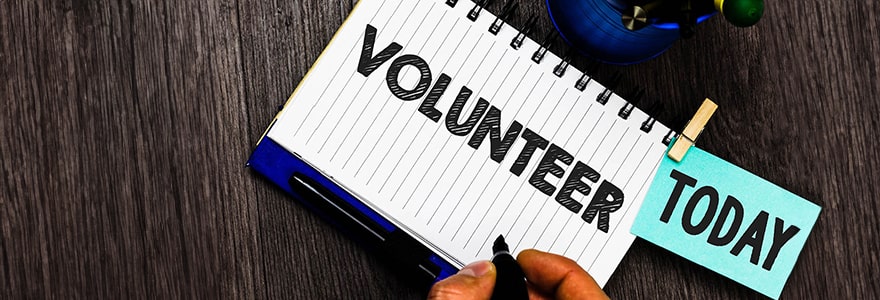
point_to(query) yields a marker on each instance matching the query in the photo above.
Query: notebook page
(456, 166)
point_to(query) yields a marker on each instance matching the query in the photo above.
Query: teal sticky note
(727, 219)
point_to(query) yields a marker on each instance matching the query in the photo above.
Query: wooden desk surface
(126, 124)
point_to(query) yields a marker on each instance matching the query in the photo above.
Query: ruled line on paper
(424, 179)
(373, 120)
(335, 99)
(336, 72)
(626, 210)
(448, 33)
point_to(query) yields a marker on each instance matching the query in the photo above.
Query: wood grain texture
(125, 125)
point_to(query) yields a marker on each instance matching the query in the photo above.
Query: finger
(474, 281)
(535, 294)
(551, 274)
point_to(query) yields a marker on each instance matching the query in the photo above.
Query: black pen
(510, 282)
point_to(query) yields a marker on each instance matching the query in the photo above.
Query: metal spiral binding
(652, 110)
(628, 107)
(606, 94)
(582, 82)
(478, 7)
(676, 123)
(669, 136)
(559, 70)
(506, 13)
(585, 79)
(545, 45)
(517, 41)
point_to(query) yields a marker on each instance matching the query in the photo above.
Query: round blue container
(594, 28)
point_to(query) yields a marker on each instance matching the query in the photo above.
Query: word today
(752, 236)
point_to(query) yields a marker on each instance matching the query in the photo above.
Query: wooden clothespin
(688, 136)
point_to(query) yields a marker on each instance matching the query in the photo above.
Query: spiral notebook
(457, 127)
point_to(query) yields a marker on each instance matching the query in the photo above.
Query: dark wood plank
(126, 127)
(64, 229)
(189, 87)
(280, 42)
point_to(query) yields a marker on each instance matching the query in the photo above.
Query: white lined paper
(431, 182)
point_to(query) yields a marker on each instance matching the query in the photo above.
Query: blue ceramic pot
(594, 27)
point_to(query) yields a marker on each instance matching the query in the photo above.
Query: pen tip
(499, 244)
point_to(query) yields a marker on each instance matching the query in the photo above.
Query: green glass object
(741, 13)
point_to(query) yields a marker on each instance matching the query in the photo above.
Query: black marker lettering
(491, 125)
(682, 180)
(367, 64)
(574, 183)
(455, 112)
(753, 236)
(533, 141)
(779, 239)
(427, 107)
(730, 205)
(393, 78)
(602, 206)
(548, 164)
(688, 214)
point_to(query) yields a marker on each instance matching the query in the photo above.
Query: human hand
(474, 281)
(549, 276)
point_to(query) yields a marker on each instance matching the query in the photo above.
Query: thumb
(474, 281)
